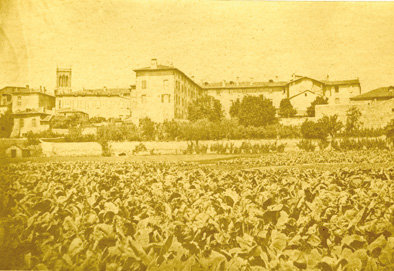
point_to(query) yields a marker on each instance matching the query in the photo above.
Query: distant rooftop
(99, 92)
(383, 93)
(25, 90)
(272, 83)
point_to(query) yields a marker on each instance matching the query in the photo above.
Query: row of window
(90, 104)
(22, 122)
(166, 84)
(165, 98)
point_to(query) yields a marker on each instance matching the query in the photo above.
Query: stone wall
(375, 114)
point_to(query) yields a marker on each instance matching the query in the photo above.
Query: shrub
(105, 148)
(312, 130)
(140, 148)
(306, 145)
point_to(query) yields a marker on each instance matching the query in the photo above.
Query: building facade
(163, 93)
(301, 91)
(30, 121)
(106, 103)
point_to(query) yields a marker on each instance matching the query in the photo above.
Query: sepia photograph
(196, 135)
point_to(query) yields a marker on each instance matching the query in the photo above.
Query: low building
(15, 151)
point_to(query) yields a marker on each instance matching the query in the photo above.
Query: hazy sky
(105, 40)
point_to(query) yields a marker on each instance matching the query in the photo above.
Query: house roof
(342, 82)
(302, 93)
(13, 145)
(383, 93)
(270, 84)
(30, 112)
(47, 118)
(165, 68)
(231, 84)
(98, 92)
(159, 67)
(70, 110)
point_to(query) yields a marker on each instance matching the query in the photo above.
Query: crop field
(234, 214)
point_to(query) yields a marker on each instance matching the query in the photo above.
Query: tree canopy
(254, 111)
(6, 124)
(286, 109)
(205, 107)
(353, 122)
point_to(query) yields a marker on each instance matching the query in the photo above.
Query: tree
(6, 124)
(286, 109)
(312, 130)
(330, 125)
(235, 108)
(389, 131)
(319, 100)
(63, 122)
(205, 107)
(353, 122)
(256, 111)
(148, 128)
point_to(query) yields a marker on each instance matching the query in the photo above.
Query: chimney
(40, 88)
(45, 90)
(277, 78)
(153, 63)
(328, 77)
(224, 83)
(27, 87)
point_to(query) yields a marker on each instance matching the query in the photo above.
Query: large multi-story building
(300, 90)
(105, 102)
(163, 93)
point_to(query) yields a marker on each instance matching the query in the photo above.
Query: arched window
(66, 82)
(62, 80)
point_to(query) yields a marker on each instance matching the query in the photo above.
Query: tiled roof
(159, 67)
(342, 82)
(97, 92)
(30, 112)
(268, 84)
(243, 84)
(382, 93)
(70, 110)
(47, 118)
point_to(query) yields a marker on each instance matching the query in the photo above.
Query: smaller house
(15, 151)
(30, 121)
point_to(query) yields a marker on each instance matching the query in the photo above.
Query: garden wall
(71, 148)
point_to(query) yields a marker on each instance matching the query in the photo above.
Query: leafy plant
(306, 145)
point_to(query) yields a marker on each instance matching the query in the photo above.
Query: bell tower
(63, 80)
